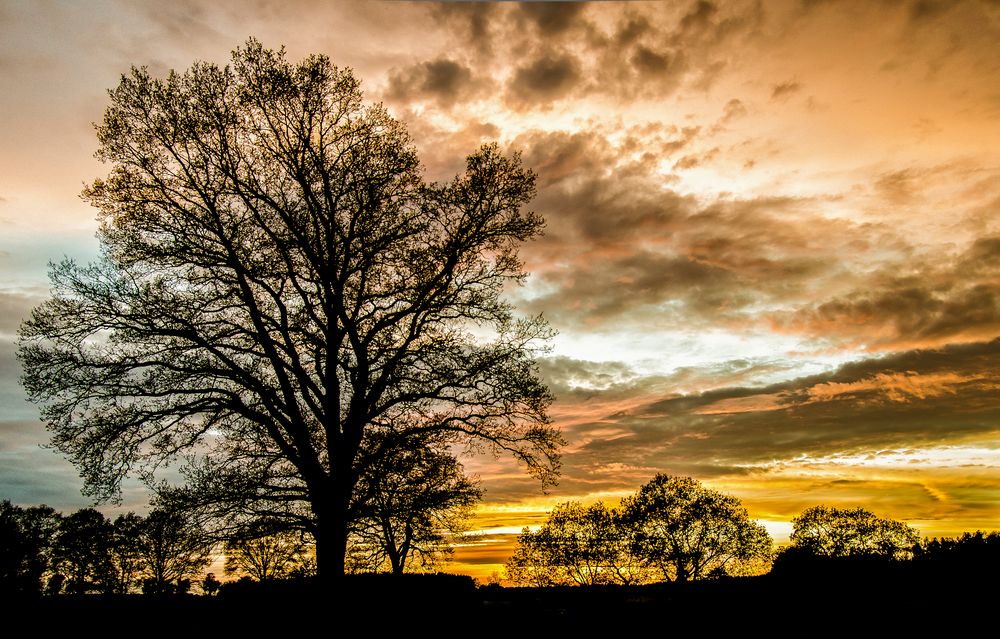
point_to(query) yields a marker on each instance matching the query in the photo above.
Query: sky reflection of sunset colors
(773, 229)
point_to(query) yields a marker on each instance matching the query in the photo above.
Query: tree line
(675, 529)
(671, 529)
(44, 551)
(416, 511)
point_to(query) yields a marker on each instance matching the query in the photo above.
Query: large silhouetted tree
(824, 531)
(686, 531)
(277, 284)
(582, 545)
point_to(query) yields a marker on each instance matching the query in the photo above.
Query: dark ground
(825, 600)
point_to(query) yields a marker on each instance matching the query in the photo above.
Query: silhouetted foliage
(671, 529)
(263, 553)
(823, 531)
(277, 286)
(210, 585)
(55, 584)
(26, 541)
(125, 554)
(686, 531)
(416, 499)
(972, 549)
(82, 552)
(172, 549)
(583, 545)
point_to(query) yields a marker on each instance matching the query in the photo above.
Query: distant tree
(583, 545)
(413, 502)
(822, 531)
(125, 552)
(210, 585)
(172, 548)
(969, 548)
(55, 583)
(686, 531)
(265, 554)
(532, 564)
(82, 552)
(26, 539)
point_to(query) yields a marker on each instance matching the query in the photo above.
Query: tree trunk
(331, 545)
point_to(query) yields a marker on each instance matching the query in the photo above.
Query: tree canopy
(671, 529)
(27, 538)
(265, 555)
(281, 296)
(418, 499)
(687, 531)
(824, 531)
(581, 545)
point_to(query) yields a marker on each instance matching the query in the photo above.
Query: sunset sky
(772, 249)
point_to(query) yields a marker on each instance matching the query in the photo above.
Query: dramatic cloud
(542, 81)
(445, 81)
(551, 18)
(959, 301)
(620, 434)
(622, 245)
(926, 396)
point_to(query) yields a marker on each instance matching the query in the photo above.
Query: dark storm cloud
(545, 79)
(474, 22)
(620, 245)
(931, 304)
(982, 258)
(915, 313)
(443, 80)
(551, 18)
(621, 52)
(920, 397)
(700, 16)
(574, 381)
(929, 9)
(652, 54)
(650, 63)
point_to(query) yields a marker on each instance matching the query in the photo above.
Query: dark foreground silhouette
(844, 596)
